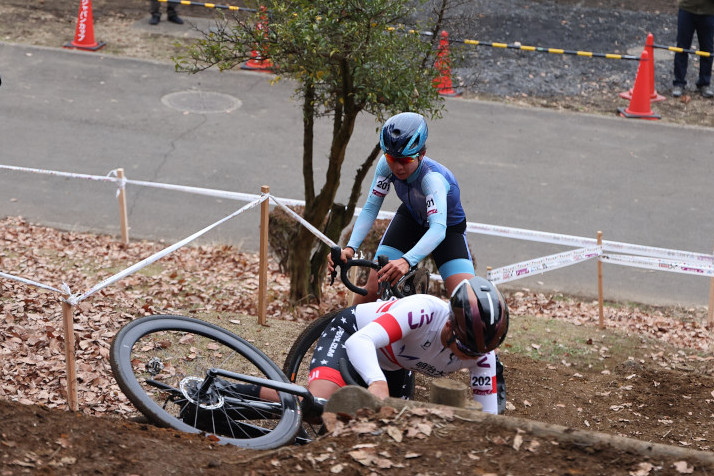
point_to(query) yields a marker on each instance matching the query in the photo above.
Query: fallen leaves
(685, 333)
(683, 467)
(31, 319)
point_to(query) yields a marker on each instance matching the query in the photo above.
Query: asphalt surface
(640, 182)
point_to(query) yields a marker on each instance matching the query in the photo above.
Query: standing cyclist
(430, 220)
(420, 333)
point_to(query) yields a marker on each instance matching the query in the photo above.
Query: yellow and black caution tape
(557, 51)
(676, 49)
(518, 46)
(209, 5)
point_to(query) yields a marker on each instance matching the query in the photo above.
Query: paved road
(638, 181)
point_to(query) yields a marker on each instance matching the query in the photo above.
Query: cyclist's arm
(436, 189)
(362, 352)
(363, 345)
(365, 219)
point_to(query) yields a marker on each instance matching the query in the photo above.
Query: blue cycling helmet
(404, 134)
(479, 315)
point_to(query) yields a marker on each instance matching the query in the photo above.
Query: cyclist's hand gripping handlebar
(336, 255)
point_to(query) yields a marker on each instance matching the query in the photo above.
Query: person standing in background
(170, 13)
(694, 15)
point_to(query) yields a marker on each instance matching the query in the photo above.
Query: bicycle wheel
(161, 363)
(297, 366)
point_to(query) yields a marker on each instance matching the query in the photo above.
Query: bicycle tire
(293, 367)
(185, 348)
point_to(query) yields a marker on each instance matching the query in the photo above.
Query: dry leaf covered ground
(649, 375)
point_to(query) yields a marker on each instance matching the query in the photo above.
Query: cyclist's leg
(401, 383)
(453, 257)
(500, 386)
(325, 376)
(322, 388)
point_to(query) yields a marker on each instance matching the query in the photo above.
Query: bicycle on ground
(197, 377)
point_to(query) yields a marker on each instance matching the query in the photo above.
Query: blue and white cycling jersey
(432, 196)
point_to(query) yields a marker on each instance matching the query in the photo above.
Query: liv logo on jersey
(424, 318)
(430, 205)
(381, 186)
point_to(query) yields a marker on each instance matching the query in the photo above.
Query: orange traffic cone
(639, 107)
(84, 36)
(257, 61)
(654, 97)
(443, 66)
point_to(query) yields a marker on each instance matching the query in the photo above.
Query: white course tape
(121, 182)
(245, 197)
(659, 264)
(99, 178)
(530, 235)
(304, 223)
(30, 282)
(525, 269)
(471, 227)
(156, 256)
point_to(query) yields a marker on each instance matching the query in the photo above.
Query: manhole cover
(201, 102)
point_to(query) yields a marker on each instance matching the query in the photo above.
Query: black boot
(174, 18)
(500, 387)
(155, 19)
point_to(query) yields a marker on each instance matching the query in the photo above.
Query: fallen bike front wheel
(164, 365)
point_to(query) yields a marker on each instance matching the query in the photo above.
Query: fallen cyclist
(419, 333)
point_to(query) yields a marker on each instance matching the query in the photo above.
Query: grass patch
(557, 341)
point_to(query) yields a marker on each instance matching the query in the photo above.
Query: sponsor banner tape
(525, 269)
(659, 264)
(580, 241)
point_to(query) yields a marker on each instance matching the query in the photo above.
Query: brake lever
(336, 255)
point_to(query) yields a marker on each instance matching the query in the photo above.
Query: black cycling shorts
(330, 349)
(404, 232)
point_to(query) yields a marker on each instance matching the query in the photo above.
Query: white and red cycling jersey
(401, 334)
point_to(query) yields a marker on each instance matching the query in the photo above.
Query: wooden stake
(710, 320)
(122, 210)
(72, 400)
(263, 271)
(599, 285)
